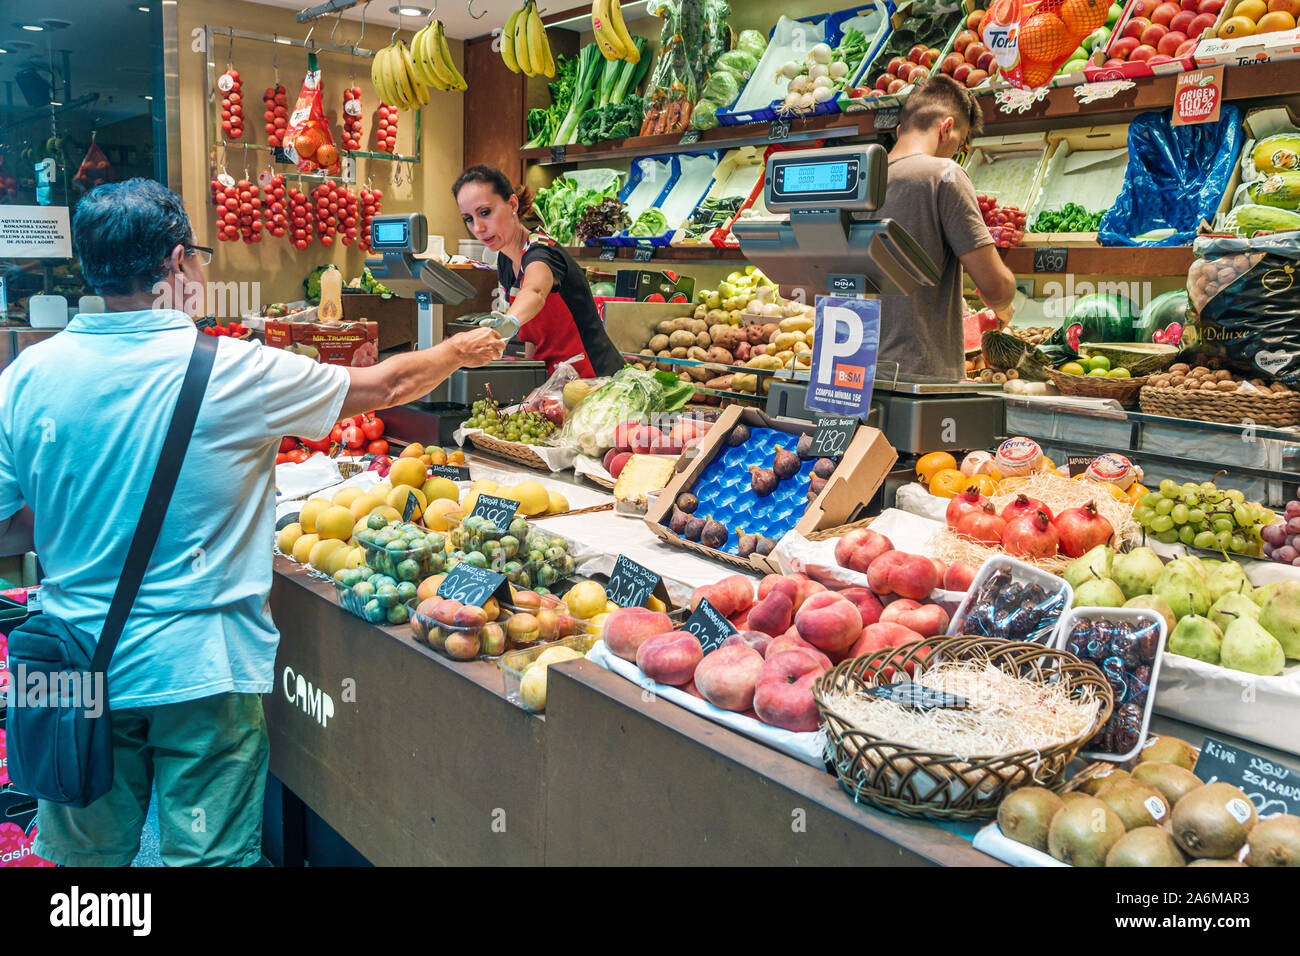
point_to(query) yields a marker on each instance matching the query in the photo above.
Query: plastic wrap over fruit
(1032, 40)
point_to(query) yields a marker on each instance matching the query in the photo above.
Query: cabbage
(752, 42)
(631, 395)
(723, 86)
(737, 61)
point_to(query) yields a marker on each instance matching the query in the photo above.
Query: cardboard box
(1054, 189)
(641, 284)
(1246, 51)
(1096, 70)
(395, 316)
(351, 343)
(988, 151)
(863, 469)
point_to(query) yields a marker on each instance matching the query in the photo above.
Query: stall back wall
(275, 263)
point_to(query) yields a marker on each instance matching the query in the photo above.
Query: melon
(1140, 358)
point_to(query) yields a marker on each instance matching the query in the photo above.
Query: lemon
(471, 499)
(435, 516)
(289, 534)
(441, 488)
(356, 557)
(345, 496)
(1097, 373)
(321, 550)
(1099, 361)
(307, 516)
(1118, 373)
(388, 511)
(381, 490)
(486, 485)
(335, 522)
(408, 471)
(398, 497)
(365, 504)
(302, 547)
(337, 559)
(556, 503)
(1073, 368)
(532, 497)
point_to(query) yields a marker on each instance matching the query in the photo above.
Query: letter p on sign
(840, 338)
(845, 339)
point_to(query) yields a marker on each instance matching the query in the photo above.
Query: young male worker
(931, 197)
(82, 419)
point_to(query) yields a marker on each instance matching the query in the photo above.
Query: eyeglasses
(202, 253)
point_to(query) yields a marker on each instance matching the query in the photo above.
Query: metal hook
(308, 38)
(393, 38)
(429, 18)
(230, 50)
(469, 8)
(337, 21)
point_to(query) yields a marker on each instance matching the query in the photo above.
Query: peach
(523, 629)
(1170, 43)
(727, 677)
(548, 624)
(913, 577)
(868, 605)
(829, 622)
(958, 577)
(691, 689)
(1187, 47)
(1164, 13)
(733, 593)
(772, 614)
(783, 696)
(492, 640)
(928, 620)
(437, 638)
(880, 636)
(444, 612)
(469, 616)
(1144, 8)
(1203, 22)
(1134, 27)
(615, 466)
(669, 658)
(1211, 6)
(755, 639)
(461, 645)
(687, 428)
(629, 627)
(646, 440)
(857, 549)
(881, 569)
(1181, 21)
(528, 601)
(1160, 58)
(778, 582)
(1142, 54)
(1123, 47)
(939, 567)
(793, 642)
(1153, 34)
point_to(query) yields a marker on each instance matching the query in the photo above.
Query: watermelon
(1163, 320)
(1105, 317)
(603, 289)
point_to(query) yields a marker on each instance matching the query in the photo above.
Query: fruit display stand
(1252, 48)
(1084, 165)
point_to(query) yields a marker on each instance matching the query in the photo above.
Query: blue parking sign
(846, 335)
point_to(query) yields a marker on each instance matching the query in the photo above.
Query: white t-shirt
(82, 420)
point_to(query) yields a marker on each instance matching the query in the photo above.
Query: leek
(584, 90)
(632, 74)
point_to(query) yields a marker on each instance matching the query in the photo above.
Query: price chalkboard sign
(608, 253)
(643, 254)
(630, 584)
(473, 585)
(832, 437)
(690, 137)
(500, 511)
(886, 118)
(709, 626)
(558, 154)
(1272, 787)
(1078, 464)
(1050, 258)
(779, 130)
(412, 503)
(454, 472)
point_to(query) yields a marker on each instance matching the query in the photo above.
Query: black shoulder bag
(60, 738)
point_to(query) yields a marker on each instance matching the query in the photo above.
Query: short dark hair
(939, 96)
(124, 233)
(500, 183)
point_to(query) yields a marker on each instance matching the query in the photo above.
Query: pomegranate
(1024, 505)
(968, 502)
(983, 526)
(1030, 536)
(1082, 529)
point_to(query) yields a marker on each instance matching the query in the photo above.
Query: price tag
(917, 696)
(690, 137)
(499, 511)
(1272, 787)
(886, 118)
(709, 626)
(630, 584)
(558, 154)
(454, 472)
(643, 253)
(279, 155)
(608, 253)
(832, 437)
(779, 130)
(1078, 464)
(473, 585)
(1050, 258)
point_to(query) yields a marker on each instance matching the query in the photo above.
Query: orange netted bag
(1032, 40)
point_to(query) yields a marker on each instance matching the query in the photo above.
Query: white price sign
(35, 232)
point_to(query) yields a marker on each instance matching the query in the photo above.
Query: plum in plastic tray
(1012, 600)
(724, 489)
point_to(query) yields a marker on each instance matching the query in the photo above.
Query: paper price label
(454, 472)
(499, 511)
(225, 82)
(630, 584)
(709, 626)
(643, 253)
(608, 253)
(1272, 787)
(352, 107)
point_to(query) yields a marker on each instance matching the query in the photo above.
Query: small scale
(914, 696)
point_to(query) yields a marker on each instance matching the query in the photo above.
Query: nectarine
(669, 658)
(727, 677)
(829, 622)
(783, 696)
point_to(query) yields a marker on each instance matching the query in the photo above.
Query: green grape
(1236, 495)
(1191, 501)
(1170, 488)
(1165, 506)
(1186, 535)
(1206, 486)
(1238, 544)
(1222, 525)
(1179, 514)
(1143, 516)
(1162, 523)
(1243, 516)
(1196, 516)
(1167, 537)
(1205, 539)
(1151, 499)
(1223, 541)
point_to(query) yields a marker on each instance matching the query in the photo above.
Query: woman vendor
(548, 292)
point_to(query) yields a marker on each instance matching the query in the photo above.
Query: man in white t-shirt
(82, 418)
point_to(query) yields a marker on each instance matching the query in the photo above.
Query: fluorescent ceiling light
(410, 11)
(3, 50)
(32, 26)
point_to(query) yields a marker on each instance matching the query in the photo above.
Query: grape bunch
(1282, 538)
(1205, 516)
(526, 427)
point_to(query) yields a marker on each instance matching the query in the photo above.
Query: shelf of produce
(663, 254)
(1107, 260)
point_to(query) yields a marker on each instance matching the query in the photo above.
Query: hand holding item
(478, 347)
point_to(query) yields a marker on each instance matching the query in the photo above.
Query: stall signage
(454, 472)
(643, 253)
(1272, 787)
(499, 511)
(1198, 96)
(1050, 258)
(630, 584)
(886, 118)
(470, 584)
(778, 130)
(846, 334)
(35, 232)
(832, 437)
(608, 253)
(690, 137)
(558, 154)
(1078, 464)
(846, 285)
(709, 625)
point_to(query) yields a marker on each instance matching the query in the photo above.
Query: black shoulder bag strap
(168, 469)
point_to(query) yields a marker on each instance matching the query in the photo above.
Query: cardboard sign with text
(1198, 96)
(846, 334)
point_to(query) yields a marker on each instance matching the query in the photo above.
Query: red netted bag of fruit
(308, 141)
(1032, 40)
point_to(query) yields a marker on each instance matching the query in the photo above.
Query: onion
(791, 69)
(799, 84)
(839, 69)
(792, 99)
(818, 70)
(821, 53)
(806, 101)
(764, 292)
(823, 82)
(821, 94)
(771, 310)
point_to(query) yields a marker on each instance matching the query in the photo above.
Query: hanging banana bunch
(402, 76)
(432, 59)
(524, 46)
(611, 34)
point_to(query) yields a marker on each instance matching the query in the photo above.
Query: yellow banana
(536, 40)
(521, 42)
(433, 59)
(620, 29)
(400, 77)
(375, 79)
(381, 77)
(419, 66)
(447, 63)
(606, 39)
(508, 44)
(421, 93)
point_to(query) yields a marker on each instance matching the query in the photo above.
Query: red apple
(972, 52)
(1142, 53)
(1153, 34)
(918, 74)
(929, 57)
(1181, 21)
(962, 72)
(1186, 49)
(951, 62)
(1123, 48)
(894, 64)
(1164, 13)
(986, 62)
(885, 80)
(974, 78)
(914, 54)
(1210, 6)
(1170, 43)
(895, 86)
(1135, 27)
(1160, 58)
(964, 39)
(1204, 21)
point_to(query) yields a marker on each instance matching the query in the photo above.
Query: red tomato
(336, 434)
(319, 444)
(353, 437)
(379, 447)
(373, 427)
(288, 443)
(281, 458)
(298, 456)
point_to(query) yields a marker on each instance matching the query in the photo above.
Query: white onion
(818, 69)
(754, 307)
(764, 292)
(806, 101)
(790, 69)
(822, 93)
(839, 69)
(799, 84)
(771, 310)
(792, 99)
(821, 53)
(822, 83)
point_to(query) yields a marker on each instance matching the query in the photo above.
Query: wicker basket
(517, 452)
(607, 484)
(1123, 390)
(840, 531)
(916, 783)
(1273, 409)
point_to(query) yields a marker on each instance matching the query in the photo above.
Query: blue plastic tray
(625, 238)
(724, 491)
(634, 177)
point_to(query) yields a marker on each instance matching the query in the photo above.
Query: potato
(701, 311)
(717, 316)
(717, 330)
(744, 382)
(665, 327)
(700, 375)
(678, 353)
(797, 323)
(719, 355)
(785, 341)
(769, 330)
(785, 357)
(729, 338)
(722, 383)
(703, 340)
(649, 352)
(697, 354)
(755, 335)
(742, 352)
(658, 343)
(681, 339)
(802, 347)
(697, 326)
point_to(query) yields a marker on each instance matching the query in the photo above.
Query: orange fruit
(947, 482)
(1236, 27)
(1136, 491)
(1252, 10)
(983, 483)
(457, 457)
(1275, 22)
(437, 456)
(927, 465)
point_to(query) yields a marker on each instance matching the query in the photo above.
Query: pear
(1158, 604)
(1183, 587)
(1248, 647)
(1091, 566)
(1227, 578)
(1099, 592)
(1263, 594)
(1137, 572)
(1280, 615)
(1197, 637)
(1232, 606)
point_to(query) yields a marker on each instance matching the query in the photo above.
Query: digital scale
(830, 243)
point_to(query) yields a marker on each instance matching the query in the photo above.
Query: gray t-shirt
(932, 199)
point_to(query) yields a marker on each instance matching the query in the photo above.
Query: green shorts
(208, 758)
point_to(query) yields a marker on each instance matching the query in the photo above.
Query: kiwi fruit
(1228, 862)
(1138, 804)
(1072, 796)
(1026, 814)
(1170, 750)
(1213, 821)
(1083, 832)
(1171, 780)
(1146, 846)
(1101, 779)
(1275, 842)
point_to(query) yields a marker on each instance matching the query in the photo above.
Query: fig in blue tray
(804, 448)
(815, 487)
(687, 502)
(678, 520)
(785, 464)
(694, 528)
(739, 435)
(714, 534)
(747, 544)
(765, 545)
(762, 480)
(823, 468)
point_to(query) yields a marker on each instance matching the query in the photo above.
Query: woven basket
(916, 783)
(840, 531)
(1123, 390)
(607, 484)
(517, 452)
(569, 514)
(1275, 409)
(350, 469)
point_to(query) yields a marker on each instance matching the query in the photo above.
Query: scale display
(399, 233)
(817, 178)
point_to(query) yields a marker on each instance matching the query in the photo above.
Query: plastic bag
(752, 42)
(1246, 302)
(308, 141)
(1031, 41)
(668, 109)
(548, 398)
(739, 62)
(631, 395)
(1176, 178)
(713, 38)
(705, 114)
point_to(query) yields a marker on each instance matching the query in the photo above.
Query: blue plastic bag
(1176, 177)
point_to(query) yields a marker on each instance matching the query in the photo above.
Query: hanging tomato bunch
(250, 211)
(276, 101)
(371, 204)
(277, 221)
(226, 199)
(301, 218)
(232, 105)
(348, 215)
(327, 212)
(352, 118)
(386, 128)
